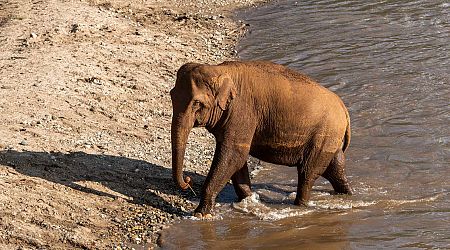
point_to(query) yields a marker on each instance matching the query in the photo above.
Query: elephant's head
(201, 95)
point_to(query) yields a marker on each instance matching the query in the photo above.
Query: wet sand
(85, 117)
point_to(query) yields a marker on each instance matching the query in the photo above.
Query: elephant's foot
(203, 217)
(243, 196)
(343, 190)
(301, 203)
(203, 211)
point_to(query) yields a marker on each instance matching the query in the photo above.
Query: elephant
(265, 110)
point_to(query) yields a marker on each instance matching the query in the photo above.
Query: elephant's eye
(196, 104)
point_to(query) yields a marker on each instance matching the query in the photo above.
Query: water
(389, 62)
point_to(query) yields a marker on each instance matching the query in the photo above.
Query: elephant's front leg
(241, 182)
(228, 158)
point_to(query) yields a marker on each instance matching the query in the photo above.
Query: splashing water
(253, 206)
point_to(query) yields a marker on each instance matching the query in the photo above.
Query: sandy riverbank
(85, 116)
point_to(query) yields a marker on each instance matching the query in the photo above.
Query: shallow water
(389, 62)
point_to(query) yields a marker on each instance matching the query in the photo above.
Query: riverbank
(85, 117)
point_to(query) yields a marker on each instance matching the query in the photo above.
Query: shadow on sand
(133, 178)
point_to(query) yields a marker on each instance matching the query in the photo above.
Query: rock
(74, 28)
(23, 143)
(33, 35)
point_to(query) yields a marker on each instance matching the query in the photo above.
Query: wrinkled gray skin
(263, 109)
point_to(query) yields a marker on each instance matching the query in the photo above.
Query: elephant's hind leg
(335, 174)
(241, 182)
(308, 171)
(305, 182)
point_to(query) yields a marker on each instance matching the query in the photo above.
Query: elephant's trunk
(179, 135)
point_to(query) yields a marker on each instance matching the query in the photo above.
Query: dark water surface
(389, 62)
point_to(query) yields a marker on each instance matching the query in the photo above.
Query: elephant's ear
(226, 92)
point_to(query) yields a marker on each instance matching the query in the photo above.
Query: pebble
(23, 142)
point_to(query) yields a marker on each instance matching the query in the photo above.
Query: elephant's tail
(347, 135)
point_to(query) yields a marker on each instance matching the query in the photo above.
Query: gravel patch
(85, 117)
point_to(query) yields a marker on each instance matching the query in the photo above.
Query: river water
(389, 62)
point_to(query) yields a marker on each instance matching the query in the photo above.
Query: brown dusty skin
(85, 117)
(264, 110)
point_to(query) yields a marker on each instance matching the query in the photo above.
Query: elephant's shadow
(133, 178)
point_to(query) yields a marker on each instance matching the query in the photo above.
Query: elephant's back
(308, 99)
(287, 100)
(304, 114)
